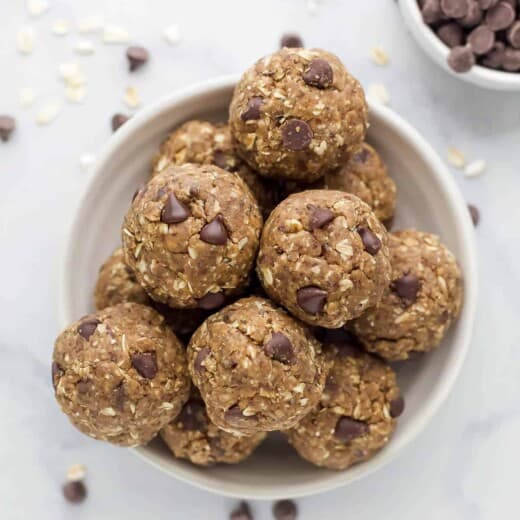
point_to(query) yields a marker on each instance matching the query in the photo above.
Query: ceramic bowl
(428, 199)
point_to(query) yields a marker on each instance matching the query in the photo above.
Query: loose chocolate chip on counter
(145, 363)
(481, 39)
(474, 16)
(242, 512)
(201, 356)
(362, 156)
(291, 40)
(511, 59)
(407, 287)
(87, 327)
(455, 8)
(513, 35)
(370, 241)
(118, 120)
(348, 429)
(495, 57)
(501, 16)
(137, 57)
(279, 348)
(211, 301)
(461, 58)
(474, 213)
(451, 34)
(7, 126)
(318, 74)
(75, 491)
(320, 217)
(193, 416)
(252, 112)
(214, 232)
(285, 510)
(296, 135)
(174, 210)
(431, 11)
(311, 299)
(396, 407)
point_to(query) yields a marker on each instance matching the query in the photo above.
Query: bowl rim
(442, 386)
(438, 51)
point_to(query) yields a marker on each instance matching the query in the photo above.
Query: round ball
(257, 369)
(324, 256)
(297, 114)
(120, 374)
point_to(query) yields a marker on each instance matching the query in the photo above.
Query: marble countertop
(464, 466)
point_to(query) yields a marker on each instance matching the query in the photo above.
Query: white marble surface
(464, 466)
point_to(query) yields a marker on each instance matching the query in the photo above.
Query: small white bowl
(438, 52)
(428, 199)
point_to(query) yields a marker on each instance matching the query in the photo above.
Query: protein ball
(120, 375)
(422, 300)
(257, 368)
(366, 176)
(192, 435)
(297, 114)
(356, 414)
(324, 256)
(191, 236)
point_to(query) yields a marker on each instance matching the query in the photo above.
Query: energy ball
(120, 374)
(366, 176)
(419, 304)
(202, 142)
(356, 414)
(116, 283)
(191, 435)
(191, 236)
(324, 257)
(257, 368)
(297, 114)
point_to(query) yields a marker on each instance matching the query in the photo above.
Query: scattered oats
(25, 40)
(109, 411)
(75, 93)
(60, 27)
(90, 24)
(48, 113)
(379, 56)
(475, 168)
(115, 34)
(456, 157)
(72, 73)
(86, 161)
(76, 472)
(131, 97)
(84, 47)
(172, 34)
(26, 97)
(378, 93)
(37, 7)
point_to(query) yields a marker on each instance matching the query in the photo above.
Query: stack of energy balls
(193, 343)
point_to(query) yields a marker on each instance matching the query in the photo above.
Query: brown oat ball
(257, 369)
(356, 414)
(191, 236)
(366, 176)
(116, 283)
(324, 256)
(120, 374)
(297, 114)
(419, 304)
(202, 142)
(191, 435)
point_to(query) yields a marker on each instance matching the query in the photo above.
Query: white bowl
(428, 199)
(438, 52)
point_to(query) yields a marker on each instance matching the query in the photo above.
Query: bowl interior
(428, 199)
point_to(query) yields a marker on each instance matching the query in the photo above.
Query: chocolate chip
(211, 301)
(56, 373)
(451, 34)
(348, 429)
(118, 120)
(296, 134)
(474, 213)
(371, 243)
(511, 59)
(285, 510)
(193, 416)
(362, 156)
(174, 210)
(318, 74)
(396, 407)
(7, 126)
(431, 12)
(201, 356)
(279, 348)
(320, 217)
(214, 232)
(495, 57)
(291, 40)
(481, 39)
(461, 58)
(455, 8)
(137, 57)
(311, 299)
(501, 16)
(220, 159)
(120, 397)
(87, 327)
(242, 512)
(83, 386)
(252, 112)
(474, 15)
(513, 35)
(145, 363)
(235, 413)
(486, 4)
(75, 491)
(407, 288)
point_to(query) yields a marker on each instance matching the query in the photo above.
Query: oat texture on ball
(257, 368)
(191, 236)
(419, 304)
(324, 256)
(297, 114)
(120, 375)
(356, 415)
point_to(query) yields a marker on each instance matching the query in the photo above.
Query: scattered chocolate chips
(371, 243)
(461, 58)
(348, 429)
(193, 416)
(118, 120)
(320, 217)
(474, 213)
(7, 126)
(318, 74)
(311, 299)
(87, 327)
(214, 232)
(211, 301)
(279, 348)
(500, 16)
(455, 8)
(296, 135)
(174, 210)
(407, 287)
(481, 39)
(285, 510)
(145, 363)
(396, 407)
(201, 356)
(75, 491)
(291, 40)
(362, 156)
(252, 112)
(242, 512)
(137, 57)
